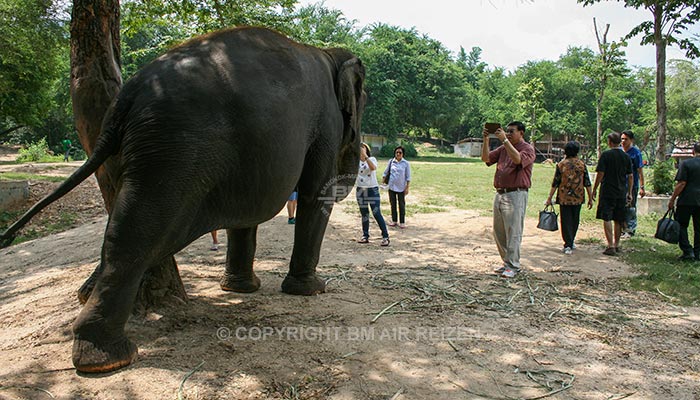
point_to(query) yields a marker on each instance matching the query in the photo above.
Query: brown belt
(508, 190)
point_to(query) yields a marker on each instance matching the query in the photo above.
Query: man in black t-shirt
(688, 193)
(614, 175)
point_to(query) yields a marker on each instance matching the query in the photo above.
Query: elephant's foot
(93, 357)
(308, 285)
(239, 284)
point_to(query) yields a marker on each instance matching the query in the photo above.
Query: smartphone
(492, 127)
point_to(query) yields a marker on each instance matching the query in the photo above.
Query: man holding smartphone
(512, 180)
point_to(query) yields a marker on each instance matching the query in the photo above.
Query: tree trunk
(95, 82)
(598, 125)
(660, 43)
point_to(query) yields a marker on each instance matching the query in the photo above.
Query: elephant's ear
(350, 91)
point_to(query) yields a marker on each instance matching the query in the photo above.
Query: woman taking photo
(368, 195)
(399, 173)
(570, 181)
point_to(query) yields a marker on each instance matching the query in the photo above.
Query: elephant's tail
(107, 144)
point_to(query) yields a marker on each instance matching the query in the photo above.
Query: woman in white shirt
(368, 195)
(399, 171)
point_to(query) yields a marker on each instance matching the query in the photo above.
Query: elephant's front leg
(312, 218)
(239, 276)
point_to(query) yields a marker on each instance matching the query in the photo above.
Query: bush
(78, 154)
(34, 152)
(662, 176)
(409, 150)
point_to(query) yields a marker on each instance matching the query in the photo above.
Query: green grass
(660, 271)
(19, 176)
(468, 184)
(65, 221)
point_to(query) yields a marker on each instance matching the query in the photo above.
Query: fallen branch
(28, 387)
(452, 345)
(397, 394)
(182, 383)
(376, 317)
(664, 294)
(624, 396)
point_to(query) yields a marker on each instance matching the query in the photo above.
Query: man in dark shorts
(614, 175)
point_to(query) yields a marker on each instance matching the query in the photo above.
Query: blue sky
(510, 32)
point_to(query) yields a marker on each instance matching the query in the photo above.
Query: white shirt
(367, 178)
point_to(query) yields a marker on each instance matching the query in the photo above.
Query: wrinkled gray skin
(216, 134)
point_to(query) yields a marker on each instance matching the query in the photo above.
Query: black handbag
(668, 229)
(548, 219)
(385, 180)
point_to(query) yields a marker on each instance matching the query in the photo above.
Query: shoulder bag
(385, 180)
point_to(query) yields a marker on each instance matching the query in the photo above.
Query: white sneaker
(214, 247)
(568, 250)
(509, 273)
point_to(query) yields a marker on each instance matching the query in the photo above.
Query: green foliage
(683, 100)
(531, 103)
(37, 152)
(151, 27)
(388, 150)
(662, 177)
(412, 83)
(33, 43)
(79, 155)
(34, 152)
(324, 27)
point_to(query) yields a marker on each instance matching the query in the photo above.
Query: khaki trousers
(508, 220)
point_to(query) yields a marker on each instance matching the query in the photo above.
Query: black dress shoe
(686, 257)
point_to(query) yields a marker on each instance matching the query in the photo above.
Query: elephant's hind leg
(100, 343)
(239, 276)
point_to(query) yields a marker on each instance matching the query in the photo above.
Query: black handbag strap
(550, 208)
(669, 213)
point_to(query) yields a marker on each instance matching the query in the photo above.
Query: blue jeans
(631, 212)
(368, 199)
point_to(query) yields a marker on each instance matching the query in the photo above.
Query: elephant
(215, 134)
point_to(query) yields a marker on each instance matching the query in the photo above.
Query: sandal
(363, 240)
(385, 242)
(610, 251)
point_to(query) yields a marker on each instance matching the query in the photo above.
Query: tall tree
(671, 18)
(609, 63)
(95, 82)
(531, 104)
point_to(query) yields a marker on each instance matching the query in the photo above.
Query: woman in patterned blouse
(570, 179)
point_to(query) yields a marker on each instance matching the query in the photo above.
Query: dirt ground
(421, 319)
